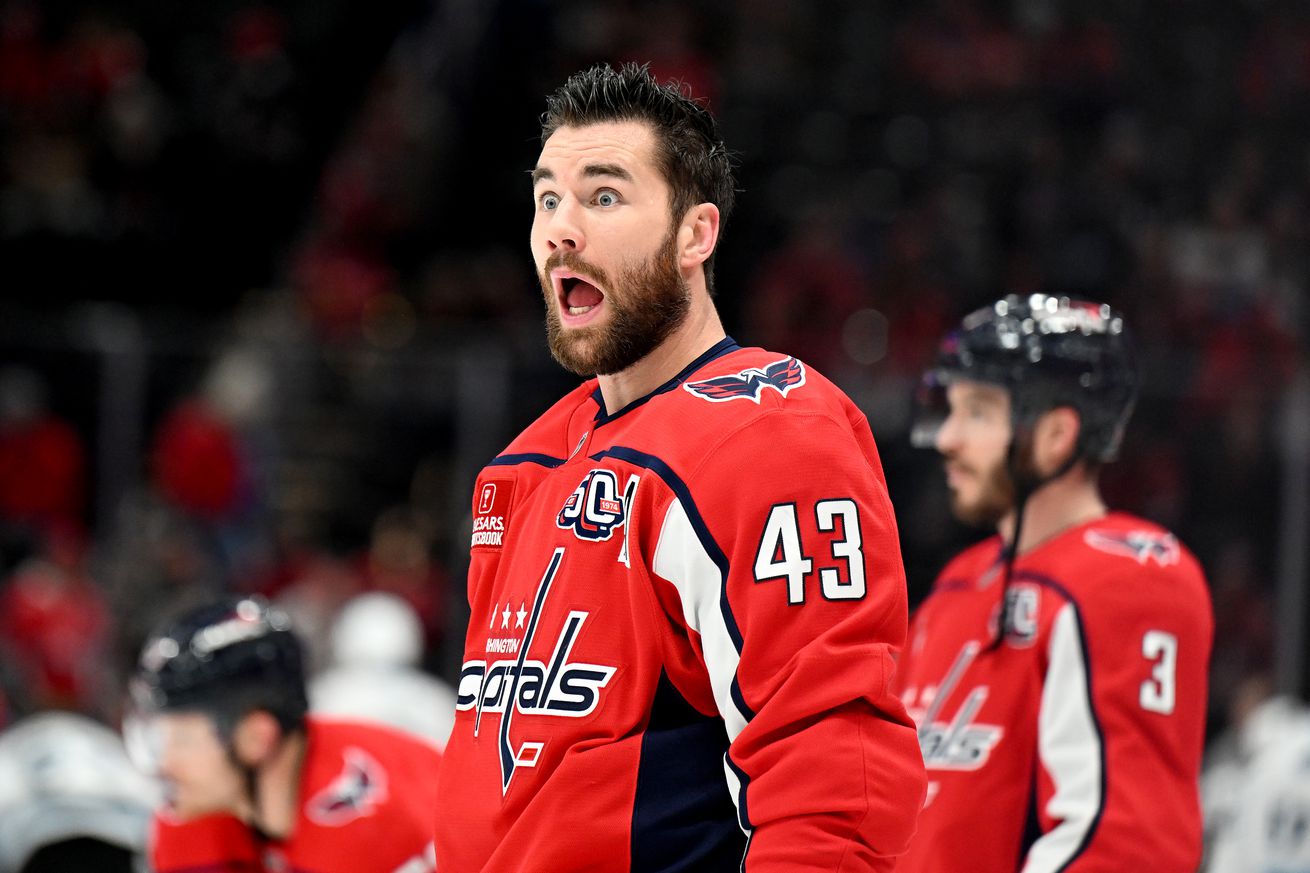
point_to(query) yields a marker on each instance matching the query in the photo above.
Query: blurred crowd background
(268, 303)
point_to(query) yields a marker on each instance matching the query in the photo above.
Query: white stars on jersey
(502, 618)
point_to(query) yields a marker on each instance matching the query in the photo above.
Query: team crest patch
(597, 507)
(782, 376)
(354, 793)
(491, 504)
(1019, 614)
(1140, 545)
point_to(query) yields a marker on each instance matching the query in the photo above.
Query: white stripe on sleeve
(680, 557)
(1070, 748)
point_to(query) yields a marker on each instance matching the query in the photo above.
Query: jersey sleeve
(785, 554)
(217, 843)
(1121, 723)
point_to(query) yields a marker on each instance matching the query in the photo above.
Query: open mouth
(577, 296)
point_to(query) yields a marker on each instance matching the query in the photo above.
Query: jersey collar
(718, 350)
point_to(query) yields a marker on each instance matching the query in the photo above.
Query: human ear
(698, 234)
(255, 737)
(1055, 439)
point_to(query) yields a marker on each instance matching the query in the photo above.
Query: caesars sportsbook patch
(491, 513)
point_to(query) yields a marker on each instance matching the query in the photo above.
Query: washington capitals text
(553, 688)
(530, 687)
(961, 743)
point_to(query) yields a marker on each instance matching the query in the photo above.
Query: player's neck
(700, 330)
(278, 788)
(1071, 500)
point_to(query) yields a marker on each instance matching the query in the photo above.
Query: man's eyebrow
(607, 170)
(614, 170)
(984, 398)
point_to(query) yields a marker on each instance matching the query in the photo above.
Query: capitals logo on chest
(960, 742)
(597, 507)
(520, 685)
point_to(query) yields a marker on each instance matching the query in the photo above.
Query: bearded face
(974, 442)
(646, 302)
(989, 500)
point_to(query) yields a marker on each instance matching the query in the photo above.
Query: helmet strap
(250, 778)
(1009, 553)
(1027, 482)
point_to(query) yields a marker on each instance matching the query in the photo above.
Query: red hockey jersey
(1075, 744)
(683, 620)
(366, 801)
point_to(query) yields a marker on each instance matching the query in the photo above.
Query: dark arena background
(266, 300)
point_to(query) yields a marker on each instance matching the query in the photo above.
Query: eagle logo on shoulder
(749, 384)
(1140, 545)
(355, 792)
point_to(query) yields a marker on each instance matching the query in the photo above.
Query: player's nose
(563, 228)
(947, 439)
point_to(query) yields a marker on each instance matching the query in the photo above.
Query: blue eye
(549, 201)
(607, 198)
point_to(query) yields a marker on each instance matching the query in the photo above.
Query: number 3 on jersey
(781, 555)
(1158, 693)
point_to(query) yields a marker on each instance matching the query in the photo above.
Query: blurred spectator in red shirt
(42, 459)
(197, 461)
(54, 627)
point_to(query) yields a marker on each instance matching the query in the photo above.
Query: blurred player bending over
(685, 582)
(1057, 671)
(70, 800)
(253, 784)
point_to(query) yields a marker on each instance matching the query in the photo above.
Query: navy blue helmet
(1047, 352)
(225, 659)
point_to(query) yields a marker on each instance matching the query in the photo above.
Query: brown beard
(995, 499)
(647, 303)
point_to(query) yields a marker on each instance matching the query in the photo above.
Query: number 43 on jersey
(782, 555)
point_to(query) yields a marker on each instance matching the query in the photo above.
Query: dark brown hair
(695, 163)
